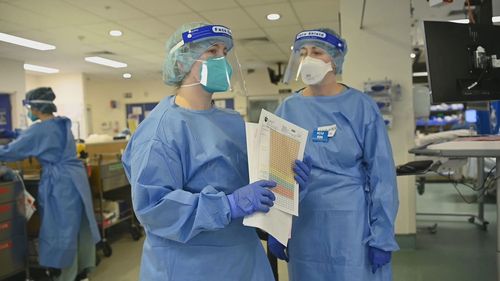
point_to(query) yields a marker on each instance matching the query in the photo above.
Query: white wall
(12, 82)
(100, 92)
(380, 50)
(106, 120)
(69, 96)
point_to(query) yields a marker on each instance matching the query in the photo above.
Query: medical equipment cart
(107, 178)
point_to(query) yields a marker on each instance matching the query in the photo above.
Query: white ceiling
(79, 27)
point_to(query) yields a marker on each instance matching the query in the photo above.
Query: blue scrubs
(352, 200)
(64, 192)
(181, 164)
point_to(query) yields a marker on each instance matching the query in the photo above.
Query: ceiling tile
(329, 24)
(152, 59)
(120, 50)
(283, 34)
(259, 2)
(7, 27)
(232, 18)
(109, 9)
(159, 7)
(248, 33)
(316, 11)
(202, 6)
(150, 27)
(259, 14)
(176, 21)
(260, 48)
(149, 46)
(103, 29)
(285, 47)
(64, 12)
(26, 18)
(76, 35)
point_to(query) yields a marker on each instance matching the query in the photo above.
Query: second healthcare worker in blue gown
(345, 227)
(68, 231)
(187, 165)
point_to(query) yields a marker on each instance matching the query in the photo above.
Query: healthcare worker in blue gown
(68, 231)
(345, 227)
(187, 165)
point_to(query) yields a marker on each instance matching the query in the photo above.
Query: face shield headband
(205, 32)
(29, 103)
(316, 35)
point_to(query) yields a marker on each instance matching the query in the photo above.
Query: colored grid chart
(283, 152)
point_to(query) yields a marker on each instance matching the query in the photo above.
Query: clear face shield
(27, 105)
(300, 59)
(217, 69)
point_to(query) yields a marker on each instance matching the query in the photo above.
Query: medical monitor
(463, 61)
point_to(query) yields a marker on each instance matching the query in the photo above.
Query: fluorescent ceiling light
(38, 68)
(127, 75)
(419, 74)
(115, 33)
(106, 62)
(273, 16)
(25, 42)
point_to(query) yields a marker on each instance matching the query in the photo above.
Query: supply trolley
(111, 191)
(13, 236)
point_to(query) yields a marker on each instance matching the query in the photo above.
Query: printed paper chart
(283, 152)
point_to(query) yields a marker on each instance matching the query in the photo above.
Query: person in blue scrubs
(345, 227)
(187, 165)
(68, 231)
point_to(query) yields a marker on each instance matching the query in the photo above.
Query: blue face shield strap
(204, 32)
(319, 36)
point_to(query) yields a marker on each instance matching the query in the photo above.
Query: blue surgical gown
(181, 164)
(63, 192)
(352, 200)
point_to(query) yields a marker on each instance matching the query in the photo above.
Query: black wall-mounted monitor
(463, 61)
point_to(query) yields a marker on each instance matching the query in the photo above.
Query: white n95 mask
(312, 71)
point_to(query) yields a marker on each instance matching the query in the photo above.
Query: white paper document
(273, 145)
(280, 144)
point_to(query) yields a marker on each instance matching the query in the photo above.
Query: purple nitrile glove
(378, 258)
(276, 248)
(251, 198)
(302, 171)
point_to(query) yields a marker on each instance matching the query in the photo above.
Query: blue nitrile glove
(7, 134)
(302, 171)
(276, 248)
(255, 197)
(378, 258)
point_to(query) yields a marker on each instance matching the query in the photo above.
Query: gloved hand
(7, 134)
(378, 258)
(302, 171)
(255, 197)
(276, 248)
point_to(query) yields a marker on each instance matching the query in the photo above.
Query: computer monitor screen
(471, 116)
(463, 61)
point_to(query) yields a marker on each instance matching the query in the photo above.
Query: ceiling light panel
(39, 68)
(106, 62)
(25, 42)
(259, 14)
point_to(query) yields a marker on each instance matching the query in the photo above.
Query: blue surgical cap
(328, 40)
(42, 99)
(187, 44)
